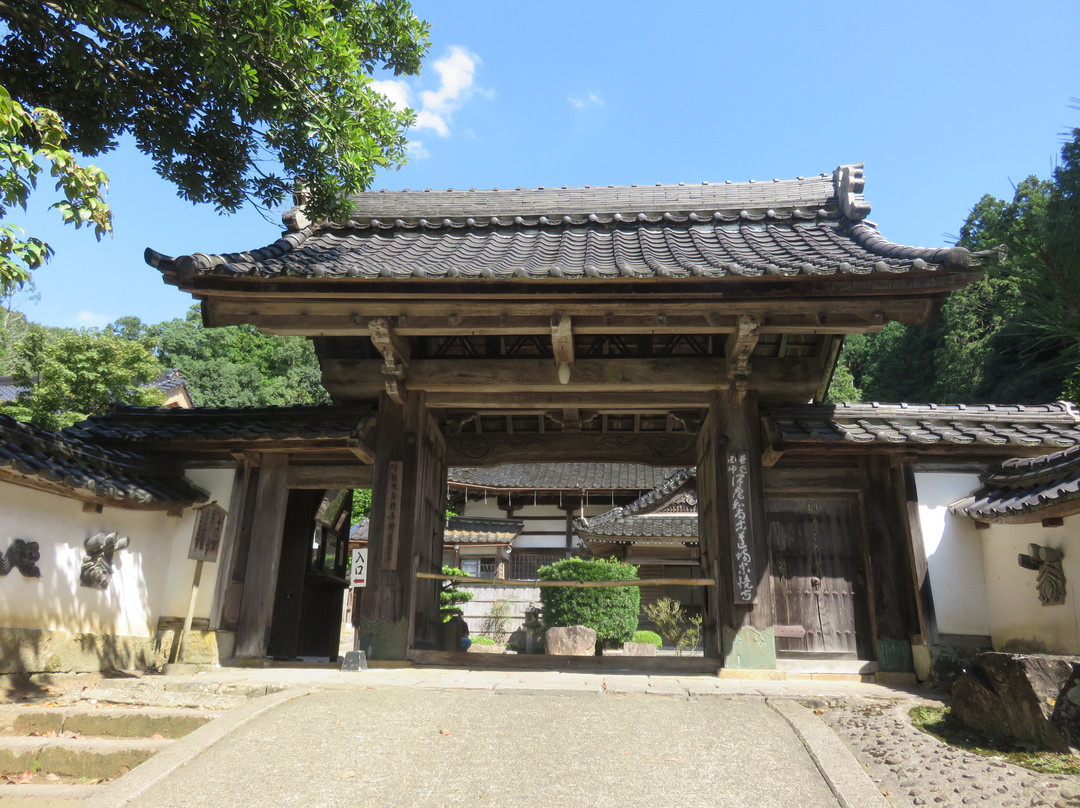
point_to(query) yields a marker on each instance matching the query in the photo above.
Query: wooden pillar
(896, 599)
(732, 534)
(264, 558)
(405, 532)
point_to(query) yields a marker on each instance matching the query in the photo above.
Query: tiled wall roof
(154, 424)
(63, 462)
(1043, 425)
(1026, 485)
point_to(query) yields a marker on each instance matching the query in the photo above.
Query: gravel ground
(913, 768)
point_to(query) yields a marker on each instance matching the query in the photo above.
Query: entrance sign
(358, 568)
(742, 568)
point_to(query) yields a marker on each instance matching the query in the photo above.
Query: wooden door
(818, 578)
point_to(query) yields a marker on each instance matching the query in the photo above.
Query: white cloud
(456, 72)
(90, 319)
(435, 108)
(397, 90)
(426, 119)
(590, 100)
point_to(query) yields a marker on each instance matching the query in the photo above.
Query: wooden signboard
(742, 566)
(206, 537)
(358, 568)
(394, 473)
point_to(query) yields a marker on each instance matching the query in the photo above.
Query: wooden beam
(660, 449)
(617, 375)
(362, 440)
(615, 402)
(329, 476)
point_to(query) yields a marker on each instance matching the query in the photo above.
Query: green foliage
(235, 366)
(361, 505)
(647, 636)
(29, 140)
(1002, 338)
(494, 623)
(216, 92)
(449, 594)
(73, 374)
(674, 625)
(480, 639)
(611, 611)
(13, 324)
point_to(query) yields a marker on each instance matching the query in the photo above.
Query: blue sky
(944, 102)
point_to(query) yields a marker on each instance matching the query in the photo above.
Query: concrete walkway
(434, 737)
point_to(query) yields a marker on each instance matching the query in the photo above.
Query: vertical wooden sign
(742, 566)
(394, 472)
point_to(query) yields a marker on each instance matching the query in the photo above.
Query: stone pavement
(429, 736)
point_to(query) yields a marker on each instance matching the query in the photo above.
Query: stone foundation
(36, 651)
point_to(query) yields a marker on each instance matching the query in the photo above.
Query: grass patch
(943, 725)
(480, 639)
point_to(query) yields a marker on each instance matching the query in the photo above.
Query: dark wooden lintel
(662, 448)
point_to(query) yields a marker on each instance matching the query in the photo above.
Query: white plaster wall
(148, 577)
(953, 553)
(537, 517)
(1018, 620)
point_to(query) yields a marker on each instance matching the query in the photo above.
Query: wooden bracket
(395, 353)
(562, 345)
(740, 345)
(361, 441)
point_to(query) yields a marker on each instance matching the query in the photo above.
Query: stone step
(91, 721)
(92, 758)
(44, 796)
(178, 694)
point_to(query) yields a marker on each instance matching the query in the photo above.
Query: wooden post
(264, 558)
(178, 651)
(732, 535)
(909, 494)
(405, 532)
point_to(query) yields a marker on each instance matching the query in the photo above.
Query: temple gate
(640, 324)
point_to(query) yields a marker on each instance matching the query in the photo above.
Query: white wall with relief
(151, 577)
(1019, 622)
(954, 554)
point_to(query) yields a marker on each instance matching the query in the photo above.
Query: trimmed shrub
(482, 640)
(611, 611)
(647, 636)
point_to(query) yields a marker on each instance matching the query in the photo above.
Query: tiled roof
(124, 424)
(651, 515)
(1031, 426)
(68, 464)
(1027, 485)
(470, 530)
(561, 477)
(781, 228)
(9, 391)
(168, 382)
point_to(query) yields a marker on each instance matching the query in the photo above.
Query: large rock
(638, 649)
(570, 641)
(1025, 696)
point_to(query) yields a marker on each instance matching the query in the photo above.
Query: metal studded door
(819, 580)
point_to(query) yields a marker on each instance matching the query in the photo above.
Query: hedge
(611, 611)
